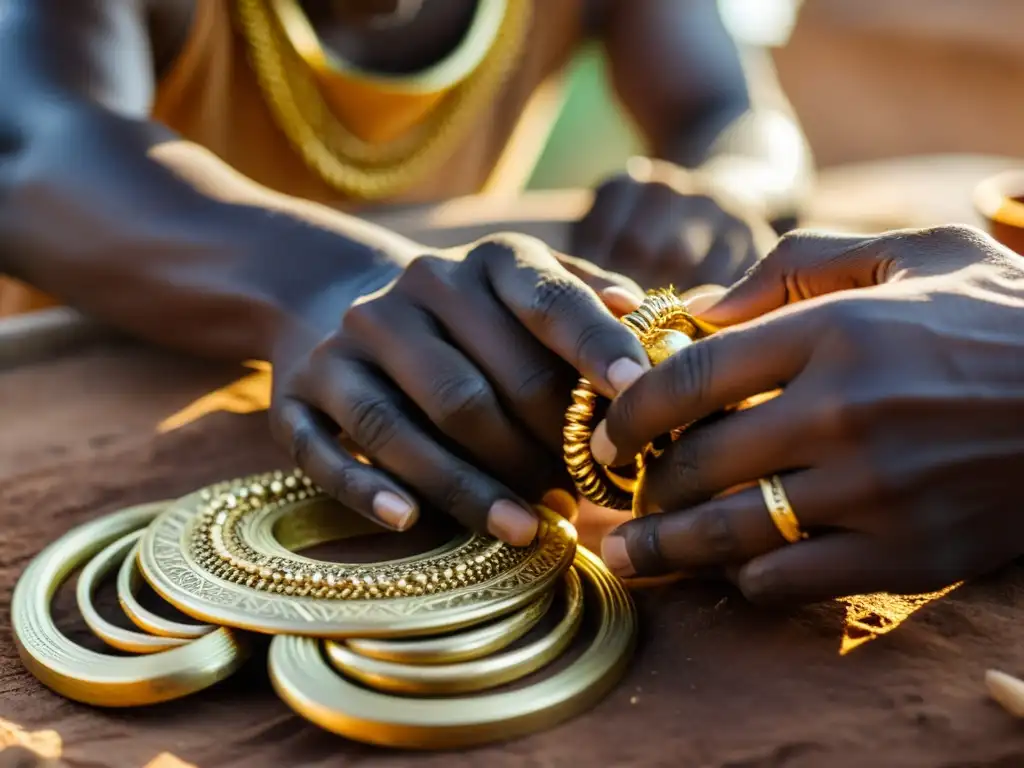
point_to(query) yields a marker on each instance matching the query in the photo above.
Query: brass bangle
(95, 678)
(467, 676)
(129, 580)
(211, 556)
(461, 646)
(113, 635)
(663, 325)
(305, 681)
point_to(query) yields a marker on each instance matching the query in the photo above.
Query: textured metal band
(461, 646)
(661, 310)
(212, 556)
(95, 678)
(466, 676)
(307, 683)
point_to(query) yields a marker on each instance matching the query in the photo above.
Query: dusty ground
(714, 683)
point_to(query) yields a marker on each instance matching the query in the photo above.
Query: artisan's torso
(213, 96)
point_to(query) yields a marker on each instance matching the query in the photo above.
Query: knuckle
(343, 483)
(372, 423)
(622, 419)
(848, 327)
(589, 339)
(425, 275)
(459, 498)
(849, 415)
(715, 534)
(460, 401)
(507, 247)
(797, 249)
(553, 295)
(360, 319)
(931, 244)
(674, 480)
(536, 387)
(689, 372)
(950, 234)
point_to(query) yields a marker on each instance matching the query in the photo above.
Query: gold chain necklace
(354, 167)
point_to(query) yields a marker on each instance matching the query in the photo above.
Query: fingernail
(561, 502)
(702, 302)
(620, 300)
(601, 446)
(393, 510)
(754, 580)
(616, 557)
(509, 522)
(624, 372)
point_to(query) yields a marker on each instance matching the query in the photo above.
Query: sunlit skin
(898, 433)
(449, 370)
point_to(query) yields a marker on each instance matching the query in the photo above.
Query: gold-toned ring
(113, 635)
(461, 646)
(213, 556)
(780, 509)
(129, 581)
(95, 678)
(467, 676)
(663, 325)
(305, 681)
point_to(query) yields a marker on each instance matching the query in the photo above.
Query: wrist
(301, 321)
(727, 180)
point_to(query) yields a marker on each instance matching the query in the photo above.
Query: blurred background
(923, 92)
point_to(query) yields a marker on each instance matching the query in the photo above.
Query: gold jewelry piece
(467, 676)
(353, 167)
(461, 646)
(230, 522)
(94, 678)
(664, 326)
(111, 634)
(213, 555)
(129, 581)
(306, 682)
(780, 509)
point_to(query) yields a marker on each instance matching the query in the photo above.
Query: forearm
(161, 239)
(747, 144)
(705, 104)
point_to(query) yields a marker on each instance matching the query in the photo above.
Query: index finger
(562, 313)
(702, 379)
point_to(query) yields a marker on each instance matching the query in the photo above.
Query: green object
(592, 137)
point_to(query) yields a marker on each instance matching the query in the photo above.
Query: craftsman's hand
(658, 226)
(453, 380)
(898, 434)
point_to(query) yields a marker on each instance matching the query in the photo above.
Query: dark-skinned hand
(898, 433)
(658, 226)
(453, 380)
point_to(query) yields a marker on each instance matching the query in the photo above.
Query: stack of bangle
(356, 647)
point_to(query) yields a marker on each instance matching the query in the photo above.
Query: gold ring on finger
(780, 509)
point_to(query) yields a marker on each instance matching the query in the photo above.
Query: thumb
(802, 266)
